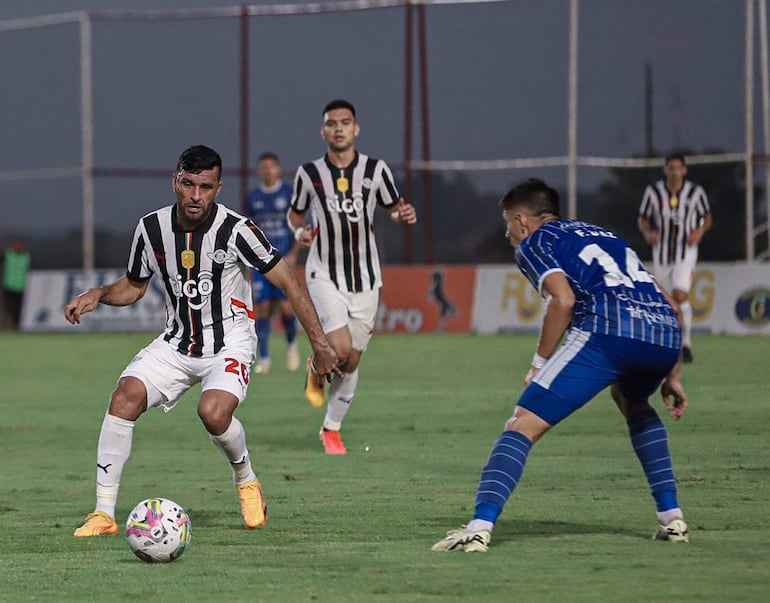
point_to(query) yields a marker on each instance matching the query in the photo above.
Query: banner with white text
(726, 298)
(49, 290)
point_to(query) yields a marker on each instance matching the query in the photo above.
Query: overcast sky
(497, 83)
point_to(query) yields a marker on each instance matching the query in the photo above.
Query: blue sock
(501, 474)
(263, 335)
(650, 442)
(290, 327)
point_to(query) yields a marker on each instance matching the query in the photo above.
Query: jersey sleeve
(253, 247)
(139, 266)
(645, 209)
(303, 191)
(387, 194)
(702, 206)
(537, 259)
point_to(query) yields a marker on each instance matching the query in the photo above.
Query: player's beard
(196, 219)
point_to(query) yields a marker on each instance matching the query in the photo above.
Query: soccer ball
(158, 530)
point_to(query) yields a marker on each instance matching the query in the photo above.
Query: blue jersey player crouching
(621, 329)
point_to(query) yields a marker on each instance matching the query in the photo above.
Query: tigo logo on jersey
(352, 208)
(191, 288)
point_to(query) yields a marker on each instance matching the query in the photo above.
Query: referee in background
(673, 218)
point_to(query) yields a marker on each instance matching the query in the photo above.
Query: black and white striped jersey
(342, 203)
(206, 275)
(675, 215)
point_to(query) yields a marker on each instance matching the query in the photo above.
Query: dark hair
(534, 196)
(339, 103)
(675, 157)
(268, 155)
(197, 158)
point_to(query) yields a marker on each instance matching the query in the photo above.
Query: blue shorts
(264, 290)
(587, 363)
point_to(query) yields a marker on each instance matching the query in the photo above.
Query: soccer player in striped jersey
(621, 330)
(341, 191)
(203, 254)
(673, 217)
(266, 205)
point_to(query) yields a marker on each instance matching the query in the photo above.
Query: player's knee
(345, 355)
(216, 417)
(528, 424)
(129, 400)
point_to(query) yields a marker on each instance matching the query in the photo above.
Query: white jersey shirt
(205, 274)
(342, 203)
(675, 216)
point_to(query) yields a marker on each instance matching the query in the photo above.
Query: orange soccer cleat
(332, 441)
(97, 523)
(253, 507)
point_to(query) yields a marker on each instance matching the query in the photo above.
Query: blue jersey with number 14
(614, 293)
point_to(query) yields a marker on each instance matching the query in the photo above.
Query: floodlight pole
(749, 166)
(244, 168)
(572, 113)
(408, 79)
(764, 66)
(427, 218)
(87, 139)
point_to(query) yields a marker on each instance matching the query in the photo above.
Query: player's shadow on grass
(518, 530)
(512, 530)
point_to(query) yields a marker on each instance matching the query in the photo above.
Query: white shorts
(337, 309)
(678, 275)
(167, 374)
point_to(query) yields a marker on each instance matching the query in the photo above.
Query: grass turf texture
(360, 527)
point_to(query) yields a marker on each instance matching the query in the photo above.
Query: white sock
(112, 453)
(477, 525)
(341, 392)
(686, 309)
(666, 517)
(232, 443)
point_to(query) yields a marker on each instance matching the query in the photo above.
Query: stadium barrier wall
(726, 298)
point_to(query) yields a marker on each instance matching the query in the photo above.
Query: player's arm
(672, 390)
(558, 316)
(324, 358)
(122, 292)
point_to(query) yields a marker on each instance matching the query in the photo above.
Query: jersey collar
(204, 227)
(331, 166)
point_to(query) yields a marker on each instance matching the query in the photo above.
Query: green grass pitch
(360, 527)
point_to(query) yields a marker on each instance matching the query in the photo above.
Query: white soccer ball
(158, 530)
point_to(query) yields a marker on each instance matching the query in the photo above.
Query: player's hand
(674, 397)
(531, 374)
(404, 212)
(695, 237)
(324, 363)
(83, 303)
(652, 236)
(306, 239)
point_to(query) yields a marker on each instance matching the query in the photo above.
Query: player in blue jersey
(267, 205)
(620, 329)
